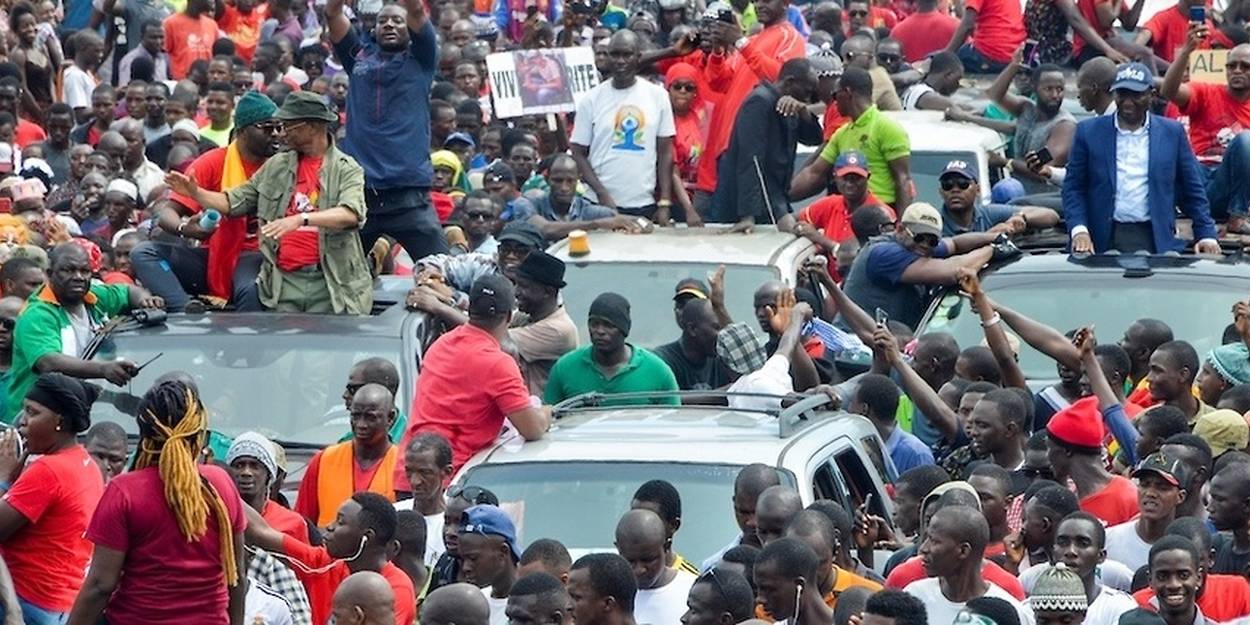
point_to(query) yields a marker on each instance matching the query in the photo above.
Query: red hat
(1079, 425)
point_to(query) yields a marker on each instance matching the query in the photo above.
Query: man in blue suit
(1126, 174)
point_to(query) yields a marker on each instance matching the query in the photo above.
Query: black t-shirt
(1227, 560)
(692, 376)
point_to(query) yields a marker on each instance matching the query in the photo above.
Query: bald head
(623, 39)
(374, 395)
(960, 525)
(641, 526)
(774, 509)
(111, 142)
(11, 306)
(364, 598)
(1099, 70)
(458, 604)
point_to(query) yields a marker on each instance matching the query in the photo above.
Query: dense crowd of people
(280, 155)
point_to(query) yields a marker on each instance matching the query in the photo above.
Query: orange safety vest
(335, 483)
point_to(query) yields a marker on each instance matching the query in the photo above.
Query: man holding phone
(1219, 116)
(1169, 29)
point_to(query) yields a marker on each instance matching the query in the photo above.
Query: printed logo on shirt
(628, 129)
(1226, 135)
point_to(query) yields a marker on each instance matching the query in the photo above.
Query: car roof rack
(808, 409)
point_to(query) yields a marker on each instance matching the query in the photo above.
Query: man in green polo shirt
(609, 364)
(881, 139)
(60, 320)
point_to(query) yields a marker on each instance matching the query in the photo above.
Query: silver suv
(575, 483)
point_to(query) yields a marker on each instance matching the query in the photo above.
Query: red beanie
(1079, 424)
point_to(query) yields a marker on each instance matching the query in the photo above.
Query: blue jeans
(976, 63)
(34, 615)
(1228, 186)
(176, 272)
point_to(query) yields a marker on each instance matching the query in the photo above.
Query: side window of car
(872, 447)
(824, 484)
(858, 481)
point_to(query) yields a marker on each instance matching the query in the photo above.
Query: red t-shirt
(243, 28)
(690, 138)
(467, 386)
(736, 76)
(302, 248)
(57, 494)
(321, 587)
(27, 133)
(1224, 598)
(1169, 29)
(832, 121)
(924, 33)
(285, 520)
(1089, 10)
(999, 28)
(1214, 119)
(187, 40)
(165, 579)
(1114, 504)
(829, 214)
(206, 171)
(913, 570)
(307, 501)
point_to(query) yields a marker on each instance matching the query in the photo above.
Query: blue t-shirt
(888, 260)
(983, 218)
(388, 118)
(907, 451)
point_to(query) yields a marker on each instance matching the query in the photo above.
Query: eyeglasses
(857, 13)
(688, 87)
(473, 494)
(931, 239)
(289, 127)
(952, 182)
(479, 216)
(711, 575)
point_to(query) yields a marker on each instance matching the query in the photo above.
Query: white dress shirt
(1132, 173)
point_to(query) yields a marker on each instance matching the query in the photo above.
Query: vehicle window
(649, 289)
(1196, 308)
(825, 485)
(580, 502)
(859, 481)
(239, 376)
(872, 447)
(926, 168)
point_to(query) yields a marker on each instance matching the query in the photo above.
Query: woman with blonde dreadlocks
(168, 534)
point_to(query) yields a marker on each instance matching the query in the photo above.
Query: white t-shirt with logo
(621, 128)
(663, 605)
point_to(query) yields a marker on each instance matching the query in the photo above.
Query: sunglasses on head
(716, 583)
(473, 494)
(956, 181)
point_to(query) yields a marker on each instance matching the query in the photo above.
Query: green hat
(253, 108)
(305, 105)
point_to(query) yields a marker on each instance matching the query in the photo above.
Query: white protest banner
(536, 82)
(1208, 66)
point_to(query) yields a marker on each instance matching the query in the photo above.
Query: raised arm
(336, 22)
(924, 398)
(181, 183)
(1173, 87)
(260, 534)
(1041, 337)
(417, 16)
(995, 336)
(1109, 405)
(999, 90)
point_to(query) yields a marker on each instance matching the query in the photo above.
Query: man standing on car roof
(59, 322)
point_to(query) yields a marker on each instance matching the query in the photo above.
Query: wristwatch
(305, 218)
(741, 43)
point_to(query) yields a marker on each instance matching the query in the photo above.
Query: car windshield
(1197, 308)
(926, 168)
(649, 288)
(580, 502)
(288, 387)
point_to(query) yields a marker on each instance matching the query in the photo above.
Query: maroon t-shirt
(165, 579)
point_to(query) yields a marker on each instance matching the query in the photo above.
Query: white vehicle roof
(929, 132)
(691, 434)
(764, 246)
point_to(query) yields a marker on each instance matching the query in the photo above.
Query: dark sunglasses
(475, 495)
(711, 575)
(857, 13)
(8, 324)
(1033, 473)
(889, 58)
(479, 216)
(688, 87)
(952, 182)
(930, 239)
